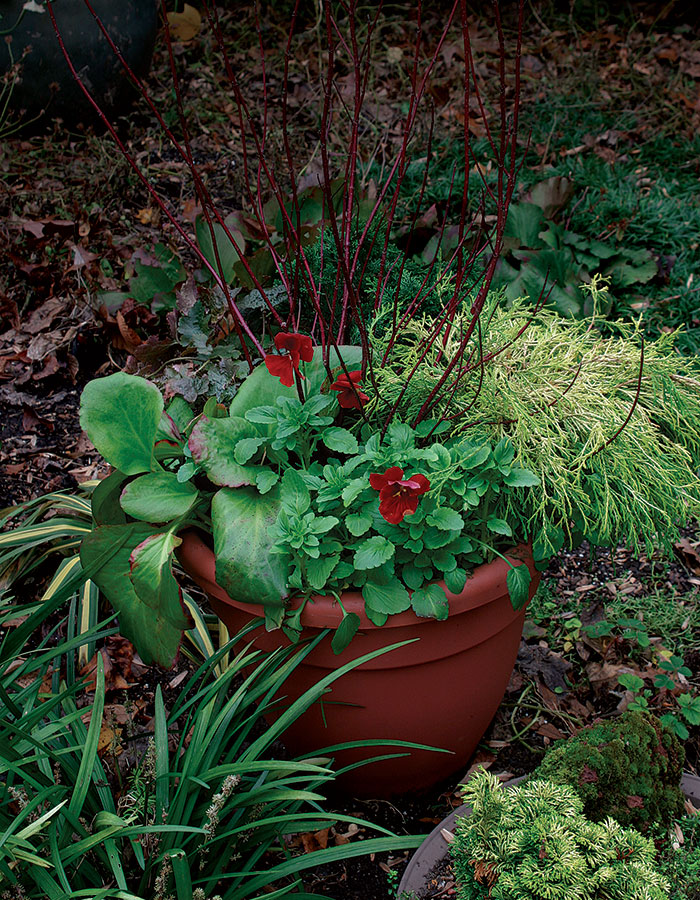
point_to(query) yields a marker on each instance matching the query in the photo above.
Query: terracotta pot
(434, 848)
(443, 690)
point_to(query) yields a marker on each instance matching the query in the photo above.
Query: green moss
(534, 843)
(628, 768)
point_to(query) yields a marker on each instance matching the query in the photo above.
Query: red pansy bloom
(298, 347)
(349, 395)
(398, 496)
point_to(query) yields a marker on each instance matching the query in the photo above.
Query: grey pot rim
(434, 847)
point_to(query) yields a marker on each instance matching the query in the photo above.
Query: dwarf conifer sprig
(534, 843)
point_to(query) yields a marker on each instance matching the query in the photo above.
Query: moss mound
(629, 768)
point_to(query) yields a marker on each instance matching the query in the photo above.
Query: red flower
(298, 347)
(349, 395)
(398, 497)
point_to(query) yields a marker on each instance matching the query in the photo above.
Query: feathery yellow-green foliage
(562, 393)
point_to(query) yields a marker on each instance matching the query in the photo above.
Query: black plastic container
(45, 87)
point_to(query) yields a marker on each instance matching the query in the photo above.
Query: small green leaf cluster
(668, 685)
(533, 842)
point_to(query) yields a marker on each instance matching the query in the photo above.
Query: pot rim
(434, 847)
(486, 584)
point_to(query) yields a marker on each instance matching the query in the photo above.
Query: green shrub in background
(532, 842)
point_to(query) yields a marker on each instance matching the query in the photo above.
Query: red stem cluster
(349, 40)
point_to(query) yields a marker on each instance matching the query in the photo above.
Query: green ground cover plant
(679, 859)
(204, 812)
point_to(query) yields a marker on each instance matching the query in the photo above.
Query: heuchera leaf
(518, 582)
(157, 639)
(121, 414)
(213, 446)
(430, 602)
(246, 568)
(158, 497)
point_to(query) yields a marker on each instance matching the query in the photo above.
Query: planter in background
(45, 81)
(434, 848)
(442, 690)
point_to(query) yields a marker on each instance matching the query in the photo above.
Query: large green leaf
(262, 389)
(246, 568)
(156, 637)
(158, 497)
(523, 226)
(213, 444)
(120, 414)
(152, 578)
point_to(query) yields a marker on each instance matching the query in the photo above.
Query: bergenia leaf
(157, 638)
(212, 444)
(121, 414)
(158, 497)
(152, 577)
(106, 509)
(246, 568)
